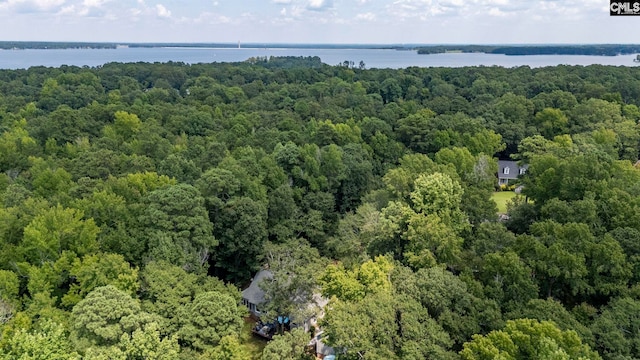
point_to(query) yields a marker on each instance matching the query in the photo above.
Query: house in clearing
(508, 171)
(253, 297)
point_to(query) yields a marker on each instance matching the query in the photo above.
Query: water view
(373, 58)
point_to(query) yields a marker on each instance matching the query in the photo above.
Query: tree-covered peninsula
(592, 49)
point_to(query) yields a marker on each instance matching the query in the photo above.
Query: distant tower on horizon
(238, 44)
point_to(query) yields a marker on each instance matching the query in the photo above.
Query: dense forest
(137, 200)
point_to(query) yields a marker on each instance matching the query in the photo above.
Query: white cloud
(411, 4)
(46, 4)
(88, 8)
(452, 3)
(319, 5)
(297, 11)
(29, 6)
(369, 16)
(71, 9)
(423, 10)
(162, 11)
(59, 9)
(94, 3)
(135, 12)
(207, 18)
(309, 20)
(148, 11)
(412, 9)
(497, 12)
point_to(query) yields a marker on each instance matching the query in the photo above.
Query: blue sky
(316, 21)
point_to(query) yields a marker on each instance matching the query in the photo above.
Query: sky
(317, 21)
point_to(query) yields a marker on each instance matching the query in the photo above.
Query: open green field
(501, 198)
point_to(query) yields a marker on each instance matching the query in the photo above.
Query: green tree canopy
(56, 230)
(49, 342)
(104, 315)
(288, 346)
(209, 318)
(528, 339)
(177, 227)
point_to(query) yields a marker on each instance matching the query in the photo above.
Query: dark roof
(514, 169)
(254, 294)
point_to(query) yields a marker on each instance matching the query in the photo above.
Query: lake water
(373, 58)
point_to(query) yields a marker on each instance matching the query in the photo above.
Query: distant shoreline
(520, 50)
(39, 45)
(422, 49)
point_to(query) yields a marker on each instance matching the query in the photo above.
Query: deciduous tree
(528, 339)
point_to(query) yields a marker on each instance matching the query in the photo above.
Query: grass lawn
(251, 343)
(501, 198)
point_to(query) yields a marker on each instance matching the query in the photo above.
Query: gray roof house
(253, 296)
(509, 171)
